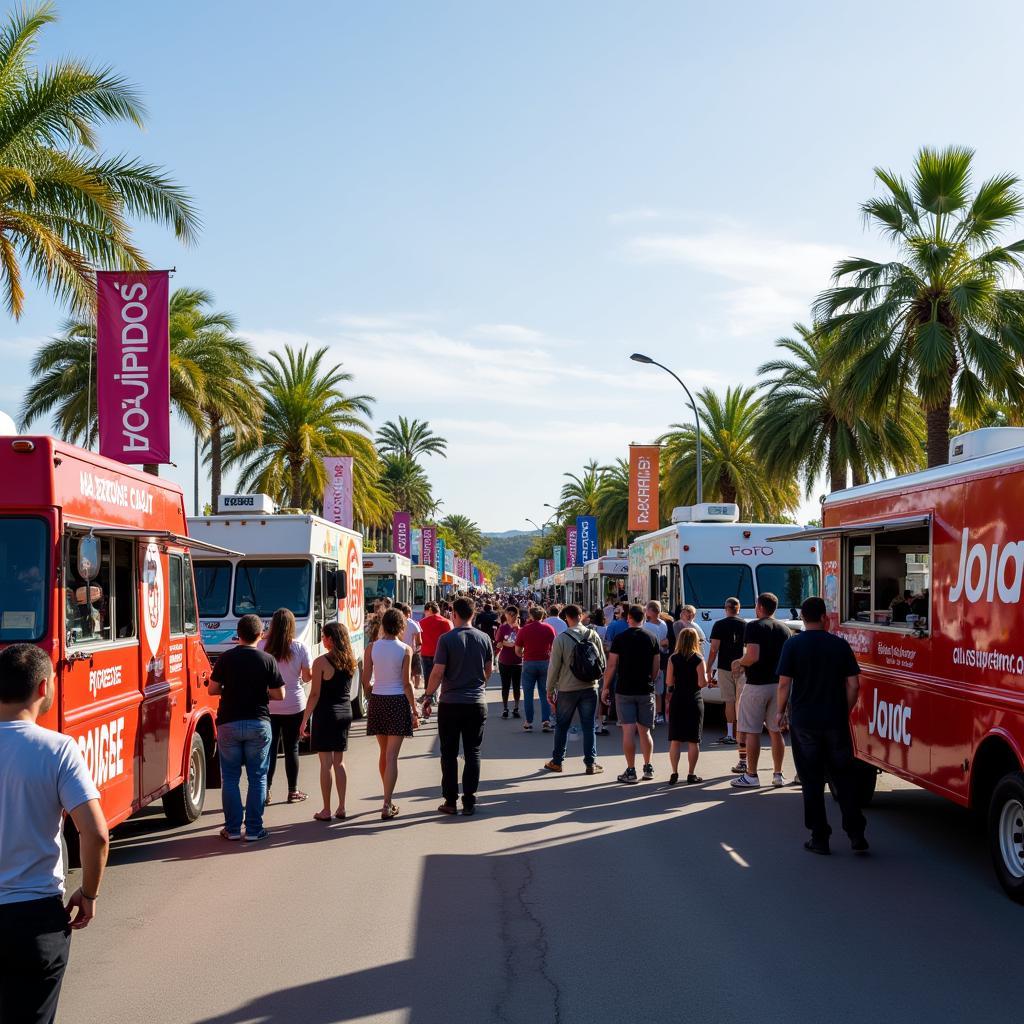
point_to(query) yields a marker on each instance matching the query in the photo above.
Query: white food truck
(424, 588)
(290, 560)
(386, 574)
(604, 579)
(707, 555)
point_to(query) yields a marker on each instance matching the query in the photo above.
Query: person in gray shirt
(462, 665)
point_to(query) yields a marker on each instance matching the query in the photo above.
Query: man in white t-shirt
(555, 621)
(658, 628)
(42, 775)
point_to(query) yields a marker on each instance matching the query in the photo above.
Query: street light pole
(638, 357)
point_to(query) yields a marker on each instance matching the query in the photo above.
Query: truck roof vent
(241, 504)
(987, 441)
(721, 512)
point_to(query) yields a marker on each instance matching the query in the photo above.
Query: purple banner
(428, 545)
(401, 526)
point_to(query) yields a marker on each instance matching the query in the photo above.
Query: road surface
(568, 899)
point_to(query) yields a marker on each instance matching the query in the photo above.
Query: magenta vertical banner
(428, 545)
(338, 490)
(401, 527)
(133, 384)
(570, 546)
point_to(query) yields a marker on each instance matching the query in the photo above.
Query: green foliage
(409, 439)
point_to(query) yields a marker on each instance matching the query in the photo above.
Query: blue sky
(483, 208)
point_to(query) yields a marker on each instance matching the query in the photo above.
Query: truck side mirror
(337, 584)
(88, 565)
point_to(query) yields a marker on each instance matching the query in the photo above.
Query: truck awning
(165, 535)
(845, 529)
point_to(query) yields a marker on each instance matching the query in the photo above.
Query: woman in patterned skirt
(392, 714)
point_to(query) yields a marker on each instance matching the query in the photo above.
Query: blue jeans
(244, 743)
(569, 702)
(535, 677)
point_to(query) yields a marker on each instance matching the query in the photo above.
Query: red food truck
(95, 568)
(923, 576)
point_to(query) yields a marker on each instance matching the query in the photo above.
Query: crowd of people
(630, 664)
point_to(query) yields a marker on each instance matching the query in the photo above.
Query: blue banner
(586, 539)
(441, 566)
(541, 566)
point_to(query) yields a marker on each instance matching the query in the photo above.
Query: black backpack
(585, 664)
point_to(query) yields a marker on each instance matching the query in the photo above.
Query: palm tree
(611, 504)
(64, 205)
(208, 372)
(306, 416)
(938, 316)
(806, 426)
(407, 486)
(579, 495)
(465, 534)
(410, 439)
(733, 471)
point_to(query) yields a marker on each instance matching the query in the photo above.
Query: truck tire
(185, 804)
(1006, 834)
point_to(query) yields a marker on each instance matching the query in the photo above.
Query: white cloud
(515, 333)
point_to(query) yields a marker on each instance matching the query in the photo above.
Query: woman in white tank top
(392, 714)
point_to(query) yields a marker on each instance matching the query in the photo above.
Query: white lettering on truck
(890, 721)
(101, 678)
(982, 571)
(102, 748)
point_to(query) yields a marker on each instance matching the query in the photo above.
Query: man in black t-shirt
(763, 640)
(634, 663)
(819, 680)
(727, 647)
(247, 680)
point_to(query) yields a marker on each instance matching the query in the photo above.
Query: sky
(482, 209)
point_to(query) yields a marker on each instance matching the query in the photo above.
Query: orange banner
(643, 487)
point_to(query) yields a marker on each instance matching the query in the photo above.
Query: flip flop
(340, 817)
(389, 812)
(320, 816)
(297, 797)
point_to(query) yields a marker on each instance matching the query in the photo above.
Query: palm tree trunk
(216, 461)
(836, 465)
(295, 469)
(859, 476)
(726, 489)
(937, 422)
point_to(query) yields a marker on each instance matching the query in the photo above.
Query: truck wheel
(1006, 834)
(185, 804)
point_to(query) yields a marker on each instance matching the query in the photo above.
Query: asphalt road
(568, 899)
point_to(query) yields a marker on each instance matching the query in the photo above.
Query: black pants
(821, 754)
(460, 723)
(511, 678)
(285, 728)
(34, 944)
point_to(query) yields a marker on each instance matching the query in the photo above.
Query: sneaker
(594, 769)
(546, 727)
(818, 846)
(746, 781)
(673, 778)
(648, 772)
(859, 845)
(504, 713)
(629, 775)
(778, 780)
(740, 768)
(255, 837)
(515, 712)
(727, 741)
(659, 720)
(601, 730)
(552, 767)
(527, 726)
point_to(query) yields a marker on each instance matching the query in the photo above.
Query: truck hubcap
(195, 778)
(1011, 837)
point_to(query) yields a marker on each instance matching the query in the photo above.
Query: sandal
(297, 797)
(691, 779)
(389, 812)
(321, 816)
(340, 815)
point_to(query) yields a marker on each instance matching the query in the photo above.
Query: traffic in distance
(132, 601)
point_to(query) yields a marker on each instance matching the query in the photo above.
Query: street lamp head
(639, 357)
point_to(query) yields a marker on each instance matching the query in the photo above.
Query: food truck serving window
(261, 587)
(23, 578)
(100, 609)
(888, 577)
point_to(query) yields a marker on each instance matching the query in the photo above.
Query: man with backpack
(577, 664)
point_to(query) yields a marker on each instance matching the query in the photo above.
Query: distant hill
(507, 548)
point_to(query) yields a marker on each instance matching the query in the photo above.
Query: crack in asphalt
(525, 941)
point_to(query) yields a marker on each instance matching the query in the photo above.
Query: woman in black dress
(687, 676)
(329, 714)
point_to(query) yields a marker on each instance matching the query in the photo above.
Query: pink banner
(338, 490)
(428, 545)
(570, 544)
(133, 388)
(401, 530)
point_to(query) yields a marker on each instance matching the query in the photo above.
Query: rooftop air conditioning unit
(253, 504)
(721, 512)
(986, 441)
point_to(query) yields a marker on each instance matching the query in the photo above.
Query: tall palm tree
(939, 315)
(579, 493)
(64, 205)
(465, 534)
(407, 486)
(733, 471)
(806, 425)
(208, 372)
(307, 415)
(611, 504)
(410, 439)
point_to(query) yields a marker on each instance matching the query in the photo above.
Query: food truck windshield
(261, 587)
(24, 585)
